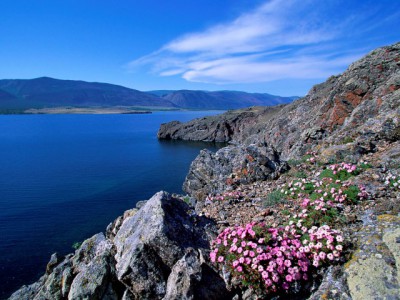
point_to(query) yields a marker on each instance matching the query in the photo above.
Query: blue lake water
(63, 178)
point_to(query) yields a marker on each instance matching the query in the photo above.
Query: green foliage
(332, 161)
(187, 200)
(327, 173)
(347, 140)
(309, 188)
(294, 162)
(300, 174)
(352, 193)
(365, 166)
(76, 245)
(274, 198)
(343, 175)
(340, 175)
(306, 157)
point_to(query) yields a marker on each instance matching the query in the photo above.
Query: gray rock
(127, 295)
(28, 292)
(230, 126)
(150, 243)
(140, 204)
(52, 286)
(93, 262)
(192, 278)
(113, 227)
(372, 275)
(185, 274)
(68, 277)
(55, 259)
(229, 166)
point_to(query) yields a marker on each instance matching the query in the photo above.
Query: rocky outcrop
(356, 106)
(373, 271)
(156, 252)
(347, 116)
(232, 125)
(231, 166)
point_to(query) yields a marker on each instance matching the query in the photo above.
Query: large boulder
(233, 165)
(150, 244)
(374, 270)
(159, 251)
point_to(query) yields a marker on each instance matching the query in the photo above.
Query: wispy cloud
(277, 40)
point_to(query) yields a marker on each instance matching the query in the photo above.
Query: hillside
(45, 92)
(48, 92)
(304, 204)
(332, 110)
(222, 99)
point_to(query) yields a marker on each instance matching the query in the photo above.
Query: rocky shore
(270, 173)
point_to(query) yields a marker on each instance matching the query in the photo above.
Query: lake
(64, 178)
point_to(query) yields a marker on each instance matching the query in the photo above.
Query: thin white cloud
(279, 39)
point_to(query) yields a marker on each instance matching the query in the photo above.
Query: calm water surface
(63, 178)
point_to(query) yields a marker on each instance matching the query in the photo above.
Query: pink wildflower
(268, 282)
(288, 263)
(264, 274)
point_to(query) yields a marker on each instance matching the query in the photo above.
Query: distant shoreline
(79, 110)
(92, 110)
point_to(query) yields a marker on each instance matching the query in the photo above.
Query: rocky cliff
(162, 249)
(366, 94)
(345, 117)
(234, 125)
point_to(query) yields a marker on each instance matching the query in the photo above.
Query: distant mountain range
(220, 99)
(45, 92)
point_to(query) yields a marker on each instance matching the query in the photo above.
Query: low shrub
(301, 174)
(274, 198)
(342, 171)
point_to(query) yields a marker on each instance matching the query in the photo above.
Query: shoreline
(75, 110)
(94, 110)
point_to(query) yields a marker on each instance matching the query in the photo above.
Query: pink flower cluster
(349, 168)
(325, 244)
(327, 194)
(224, 196)
(274, 257)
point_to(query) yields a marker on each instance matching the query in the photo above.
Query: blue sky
(281, 47)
